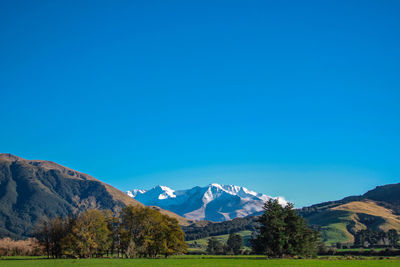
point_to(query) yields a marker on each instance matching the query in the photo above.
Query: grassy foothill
(200, 261)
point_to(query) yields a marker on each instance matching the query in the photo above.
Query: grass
(200, 261)
(358, 249)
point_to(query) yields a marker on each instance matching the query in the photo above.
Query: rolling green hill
(200, 245)
(338, 221)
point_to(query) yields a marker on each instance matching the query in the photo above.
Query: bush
(28, 247)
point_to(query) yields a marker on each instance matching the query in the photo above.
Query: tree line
(193, 232)
(136, 232)
(233, 246)
(369, 237)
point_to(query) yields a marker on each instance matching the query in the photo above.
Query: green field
(207, 261)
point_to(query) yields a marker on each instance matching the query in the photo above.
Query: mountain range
(31, 190)
(214, 202)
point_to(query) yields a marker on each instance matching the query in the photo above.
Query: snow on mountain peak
(214, 202)
(167, 192)
(135, 192)
(216, 185)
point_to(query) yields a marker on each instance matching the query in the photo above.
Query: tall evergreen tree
(283, 232)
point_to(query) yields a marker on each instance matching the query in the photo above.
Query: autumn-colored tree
(174, 237)
(150, 232)
(113, 226)
(138, 232)
(89, 235)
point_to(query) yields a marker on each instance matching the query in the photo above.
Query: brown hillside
(391, 221)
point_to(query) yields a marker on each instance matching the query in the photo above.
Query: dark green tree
(50, 234)
(369, 237)
(300, 239)
(42, 234)
(284, 232)
(393, 237)
(214, 246)
(360, 239)
(235, 243)
(271, 239)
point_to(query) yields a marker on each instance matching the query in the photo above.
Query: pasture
(200, 261)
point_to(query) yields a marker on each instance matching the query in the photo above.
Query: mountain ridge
(339, 220)
(213, 202)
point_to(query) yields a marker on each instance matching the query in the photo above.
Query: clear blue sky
(293, 98)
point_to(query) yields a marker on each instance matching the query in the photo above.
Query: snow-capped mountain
(214, 202)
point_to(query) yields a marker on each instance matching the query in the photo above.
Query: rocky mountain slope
(213, 202)
(31, 190)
